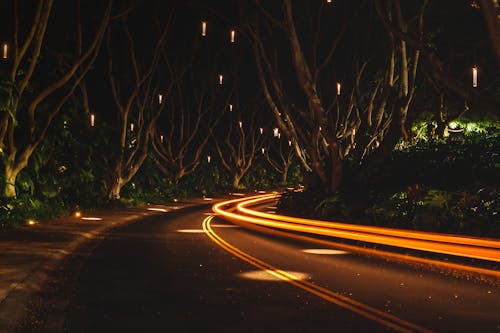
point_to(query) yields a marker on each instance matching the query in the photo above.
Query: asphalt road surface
(165, 274)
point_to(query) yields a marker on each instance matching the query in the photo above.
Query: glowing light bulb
(261, 130)
(221, 78)
(160, 98)
(231, 107)
(92, 120)
(338, 88)
(263, 150)
(131, 127)
(275, 132)
(233, 35)
(161, 138)
(209, 158)
(5, 50)
(474, 77)
(240, 123)
(289, 143)
(203, 28)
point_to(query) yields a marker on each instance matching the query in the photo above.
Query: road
(164, 273)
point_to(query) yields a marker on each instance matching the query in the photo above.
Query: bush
(14, 212)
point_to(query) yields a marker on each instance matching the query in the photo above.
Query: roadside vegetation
(443, 185)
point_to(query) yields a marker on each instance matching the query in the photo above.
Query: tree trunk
(236, 181)
(10, 182)
(116, 188)
(337, 169)
(284, 175)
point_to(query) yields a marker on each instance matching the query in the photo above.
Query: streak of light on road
(470, 247)
(362, 309)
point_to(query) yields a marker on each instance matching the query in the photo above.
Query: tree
(135, 98)
(280, 155)
(32, 94)
(238, 143)
(195, 105)
(337, 114)
(435, 68)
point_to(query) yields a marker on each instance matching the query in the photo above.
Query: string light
(279, 135)
(131, 127)
(329, 1)
(203, 28)
(289, 143)
(474, 77)
(240, 123)
(161, 138)
(92, 120)
(221, 78)
(338, 88)
(263, 150)
(233, 35)
(209, 158)
(261, 130)
(160, 98)
(231, 107)
(275, 132)
(5, 50)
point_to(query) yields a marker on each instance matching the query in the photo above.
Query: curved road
(163, 273)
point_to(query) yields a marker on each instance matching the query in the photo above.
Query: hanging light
(240, 123)
(261, 130)
(161, 138)
(338, 88)
(209, 158)
(329, 1)
(275, 132)
(320, 128)
(279, 135)
(474, 77)
(160, 98)
(5, 50)
(221, 78)
(289, 143)
(233, 35)
(131, 127)
(231, 107)
(203, 28)
(263, 150)
(92, 120)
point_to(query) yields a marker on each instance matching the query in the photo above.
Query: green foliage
(467, 212)
(450, 185)
(456, 163)
(18, 211)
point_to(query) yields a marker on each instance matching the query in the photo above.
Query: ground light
(31, 222)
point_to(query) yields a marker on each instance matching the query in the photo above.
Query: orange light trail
(364, 310)
(470, 247)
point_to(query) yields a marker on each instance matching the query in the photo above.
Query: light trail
(479, 248)
(428, 236)
(364, 310)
